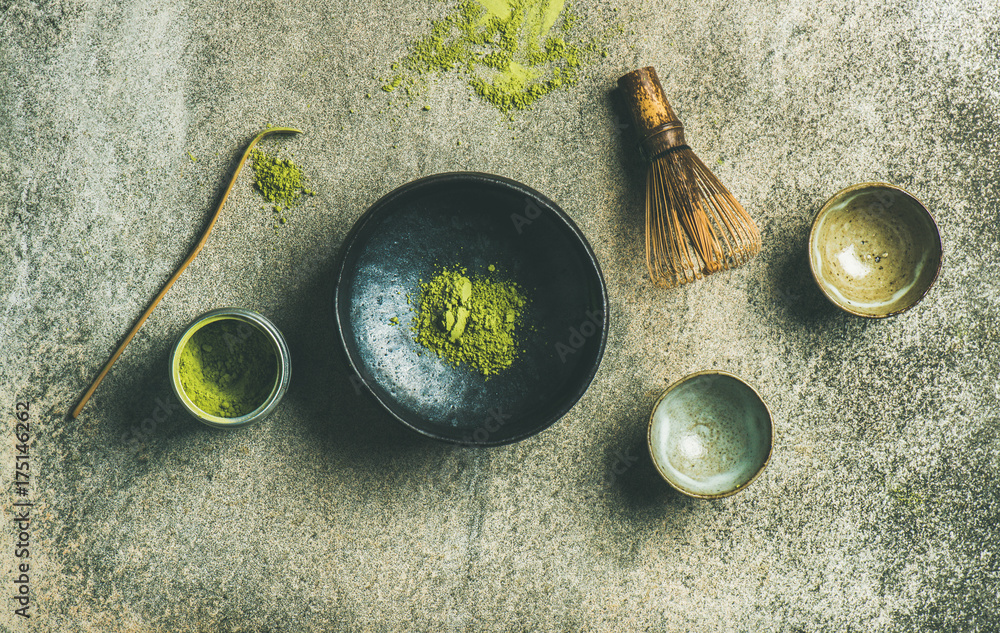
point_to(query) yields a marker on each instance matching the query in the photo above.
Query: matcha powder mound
(470, 320)
(512, 52)
(279, 181)
(228, 368)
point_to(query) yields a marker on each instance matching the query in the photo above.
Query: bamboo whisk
(694, 226)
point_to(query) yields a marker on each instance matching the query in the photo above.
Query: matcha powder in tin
(228, 368)
(470, 320)
(512, 52)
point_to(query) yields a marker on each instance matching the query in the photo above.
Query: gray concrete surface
(879, 510)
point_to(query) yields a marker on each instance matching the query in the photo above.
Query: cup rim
(281, 381)
(652, 418)
(812, 236)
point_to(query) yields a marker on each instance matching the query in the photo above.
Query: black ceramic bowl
(471, 220)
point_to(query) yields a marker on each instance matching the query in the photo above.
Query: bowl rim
(652, 418)
(351, 240)
(812, 235)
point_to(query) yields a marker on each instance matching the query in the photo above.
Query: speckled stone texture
(879, 511)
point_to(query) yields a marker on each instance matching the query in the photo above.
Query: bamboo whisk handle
(659, 128)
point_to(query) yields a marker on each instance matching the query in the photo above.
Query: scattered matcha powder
(511, 51)
(470, 320)
(280, 182)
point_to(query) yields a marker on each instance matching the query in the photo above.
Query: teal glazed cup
(874, 250)
(710, 435)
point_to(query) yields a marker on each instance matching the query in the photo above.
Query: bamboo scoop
(190, 258)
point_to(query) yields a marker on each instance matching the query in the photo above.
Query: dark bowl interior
(471, 220)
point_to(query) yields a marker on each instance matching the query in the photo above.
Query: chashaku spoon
(194, 252)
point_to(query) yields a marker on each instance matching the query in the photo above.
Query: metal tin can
(282, 377)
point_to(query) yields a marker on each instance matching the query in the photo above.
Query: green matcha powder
(512, 52)
(280, 182)
(228, 368)
(470, 320)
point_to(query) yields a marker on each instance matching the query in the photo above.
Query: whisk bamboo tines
(694, 226)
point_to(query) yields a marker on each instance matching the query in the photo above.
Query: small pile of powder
(512, 52)
(279, 181)
(470, 320)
